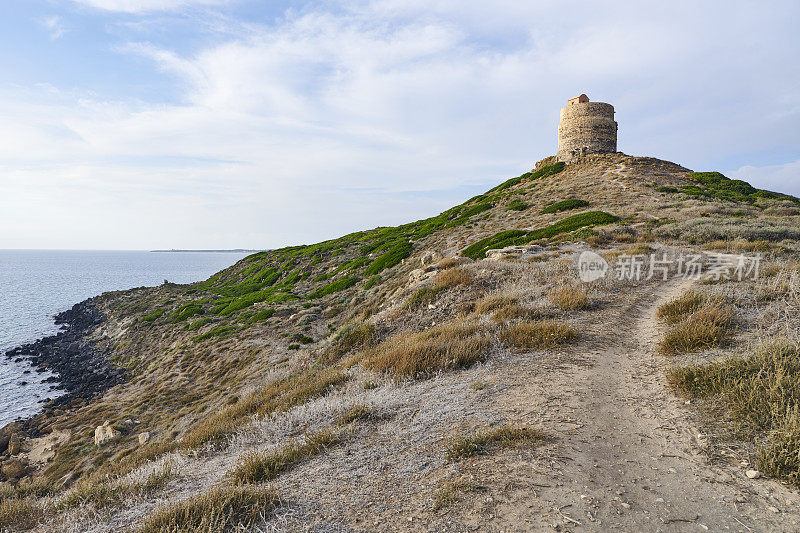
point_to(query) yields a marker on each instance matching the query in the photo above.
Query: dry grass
(18, 513)
(516, 311)
(353, 413)
(455, 345)
(451, 262)
(445, 280)
(569, 298)
(277, 396)
(761, 394)
(452, 277)
(352, 337)
(495, 301)
(681, 307)
(266, 466)
(709, 326)
(639, 249)
(741, 245)
(449, 493)
(538, 335)
(421, 297)
(484, 441)
(107, 493)
(222, 509)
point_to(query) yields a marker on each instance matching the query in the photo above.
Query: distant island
(235, 250)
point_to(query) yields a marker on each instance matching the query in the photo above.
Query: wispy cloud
(371, 113)
(54, 26)
(148, 6)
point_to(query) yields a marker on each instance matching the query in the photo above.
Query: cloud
(54, 26)
(783, 178)
(148, 6)
(373, 113)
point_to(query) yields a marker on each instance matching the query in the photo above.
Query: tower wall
(586, 127)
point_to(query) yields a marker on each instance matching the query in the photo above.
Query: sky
(148, 124)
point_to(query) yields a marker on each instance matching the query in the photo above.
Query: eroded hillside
(449, 374)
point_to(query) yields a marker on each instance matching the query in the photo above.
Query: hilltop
(452, 374)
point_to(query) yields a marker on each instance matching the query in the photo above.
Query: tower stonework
(586, 128)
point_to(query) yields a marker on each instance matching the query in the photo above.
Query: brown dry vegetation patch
(482, 442)
(538, 335)
(455, 345)
(760, 393)
(277, 396)
(266, 466)
(700, 322)
(569, 298)
(221, 509)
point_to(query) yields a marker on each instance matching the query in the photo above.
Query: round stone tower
(586, 128)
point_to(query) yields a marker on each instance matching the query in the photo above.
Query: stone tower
(586, 128)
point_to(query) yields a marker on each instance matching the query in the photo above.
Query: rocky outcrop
(13, 468)
(14, 444)
(83, 368)
(104, 433)
(517, 252)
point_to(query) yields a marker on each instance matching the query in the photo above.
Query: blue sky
(235, 123)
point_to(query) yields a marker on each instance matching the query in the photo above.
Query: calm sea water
(36, 284)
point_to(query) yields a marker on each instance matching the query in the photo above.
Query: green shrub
(262, 315)
(715, 185)
(565, 205)
(197, 324)
(374, 280)
(549, 170)
(271, 295)
(153, 316)
(336, 286)
(516, 237)
(188, 310)
(399, 251)
(516, 205)
(219, 331)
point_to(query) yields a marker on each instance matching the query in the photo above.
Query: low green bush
(197, 324)
(219, 331)
(516, 205)
(516, 237)
(399, 251)
(336, 286)
(152, 317)
(565, 205)
(188, 310)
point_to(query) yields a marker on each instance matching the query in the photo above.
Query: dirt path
(628, 456)
(624, 454)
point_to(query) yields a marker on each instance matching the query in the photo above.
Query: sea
(37, 284)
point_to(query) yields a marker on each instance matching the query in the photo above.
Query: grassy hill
(400, 335)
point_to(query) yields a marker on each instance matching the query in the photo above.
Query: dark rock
(81, 367)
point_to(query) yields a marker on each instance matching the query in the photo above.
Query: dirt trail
(628, 456)
(624, 455)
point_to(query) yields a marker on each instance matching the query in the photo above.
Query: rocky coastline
(82, 366)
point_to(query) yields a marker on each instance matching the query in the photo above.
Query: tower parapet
(586, 128)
